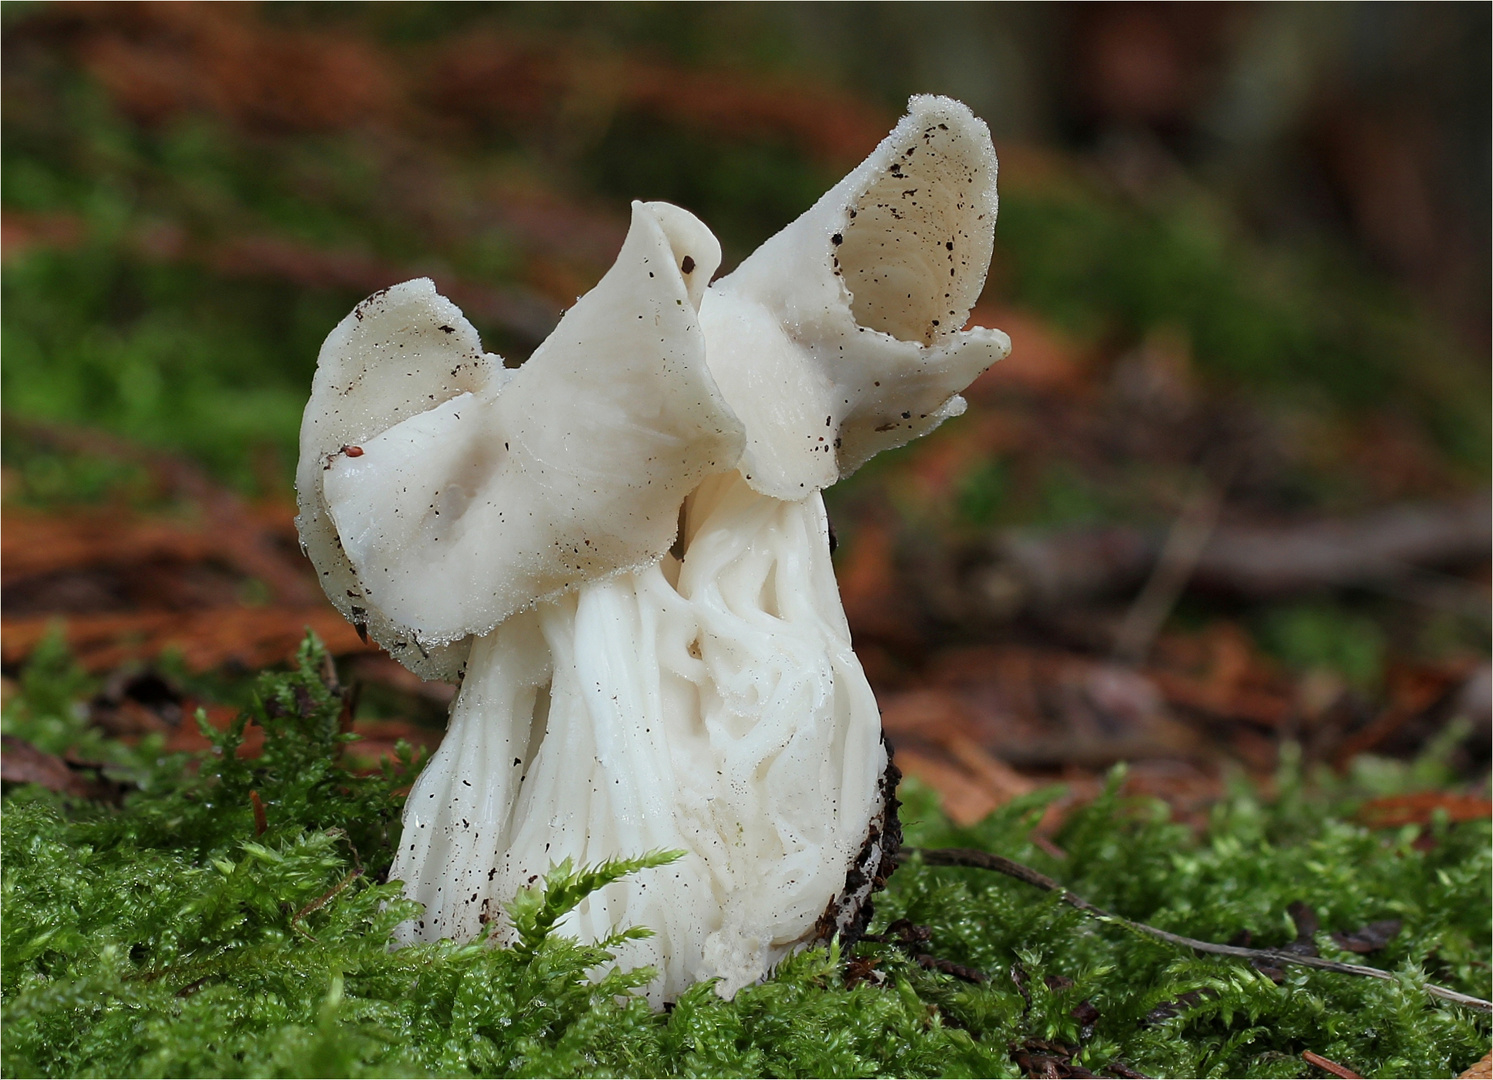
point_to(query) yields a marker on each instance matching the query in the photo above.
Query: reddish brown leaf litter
(158, 61)
(36, 544)
(1413, 692)
(22, 232)
(1370, 938)
(994, 651)
(1481, 1070)
(1422, 807)
(259, 541)
(126, 586)
(245, 638)
(1015, 636)
(22, 763)
(220, 583)
(217, 582)
(376, 740)
(1054, 714)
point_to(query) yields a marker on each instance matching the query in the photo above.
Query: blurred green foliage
(244, 954)
(179, 355)
(1307, 636)
(983, 491)
(1263, 320)
(248, 953)
(745, 191)
(990, 496)
(162, 354)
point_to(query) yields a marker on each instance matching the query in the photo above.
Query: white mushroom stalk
(620, 551)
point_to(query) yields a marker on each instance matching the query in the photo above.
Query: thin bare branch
(999, 864)
(1184, 545)
(1396, 550)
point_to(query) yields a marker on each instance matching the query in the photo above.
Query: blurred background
(1223, 510)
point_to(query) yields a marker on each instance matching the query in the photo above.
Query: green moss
(982, 492)
(1308, 636)
(171, 936)
(162, 354)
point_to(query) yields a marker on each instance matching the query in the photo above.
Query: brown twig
(192, 987)
(261, 823)
(1184, 545)
(1393, 550)
(321, 902)
(338, 833)
(999, 864)
(1330, 1066)
(911, 938)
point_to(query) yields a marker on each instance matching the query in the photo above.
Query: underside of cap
(919, 224)
(842, 335)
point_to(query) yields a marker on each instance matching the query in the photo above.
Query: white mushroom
(401, 352)
(527, 483)
(841, 336)
(623, 544)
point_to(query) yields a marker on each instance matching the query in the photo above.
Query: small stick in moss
(985, 861)
(911, 938)
(341, 834)
(1327, 1065)
(192, 987)
(948, 967)
(321, 902)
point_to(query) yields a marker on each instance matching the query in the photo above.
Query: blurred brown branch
(1390, 550)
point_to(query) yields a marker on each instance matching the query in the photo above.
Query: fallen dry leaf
(1482, 1070)
(1393, 811)
(33, 544)
(961, 796)
(1370, 938)
(22, 763)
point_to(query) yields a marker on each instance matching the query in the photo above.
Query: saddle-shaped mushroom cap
(400, 353)
(526, 484)
(840, 336)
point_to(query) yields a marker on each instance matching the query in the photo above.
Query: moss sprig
(178, 934)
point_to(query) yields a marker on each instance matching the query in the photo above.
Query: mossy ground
(178, 936)
(170, 936)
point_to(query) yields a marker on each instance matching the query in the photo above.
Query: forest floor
(1222, 515)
